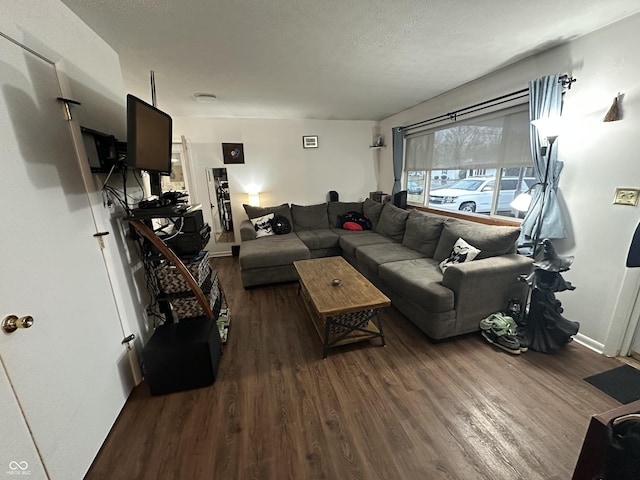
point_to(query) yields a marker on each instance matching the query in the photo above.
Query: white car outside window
(475, 194)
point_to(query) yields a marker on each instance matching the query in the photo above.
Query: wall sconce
(254, 199)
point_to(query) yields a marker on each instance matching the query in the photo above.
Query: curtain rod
(565, 80)
(472, 108)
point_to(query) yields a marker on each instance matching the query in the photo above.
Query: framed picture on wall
(233, 152)
(310, 141)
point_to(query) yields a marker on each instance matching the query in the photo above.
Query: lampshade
(522, 202)
(549, 127)
(254, 199)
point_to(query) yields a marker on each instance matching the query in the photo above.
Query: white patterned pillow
(462, 252)
(262, 225)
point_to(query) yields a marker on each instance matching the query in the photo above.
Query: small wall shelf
(378, 142)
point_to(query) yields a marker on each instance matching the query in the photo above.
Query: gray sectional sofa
(400, 255)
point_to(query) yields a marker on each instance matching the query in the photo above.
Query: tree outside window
(457, 167)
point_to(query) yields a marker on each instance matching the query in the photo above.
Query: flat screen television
(149, 135)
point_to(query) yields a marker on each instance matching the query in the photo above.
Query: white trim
(220, 254)
(626, 314)
(31, 51)
(187, 171)
(632, 325)
(589, 343)
(93, 199)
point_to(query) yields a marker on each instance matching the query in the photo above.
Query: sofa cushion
(349, 243)
(335, 209)
(419, 280)
(393, 221)
(493, 240)
(272, 251)
(423, 232)
(372, 210)
(310, 217)
(317, 239)
(372, 256)
(255, 212)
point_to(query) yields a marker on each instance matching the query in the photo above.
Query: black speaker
(400, 199)
(189, 244)
(192, 221)
(182, 356)
(333, 196)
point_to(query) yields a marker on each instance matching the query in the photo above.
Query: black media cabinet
(182, 356)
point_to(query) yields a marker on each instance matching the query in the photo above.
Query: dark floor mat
(621, 383)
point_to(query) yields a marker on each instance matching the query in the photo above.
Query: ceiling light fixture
(205, 97)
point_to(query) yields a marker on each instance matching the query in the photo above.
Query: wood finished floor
(414, 409)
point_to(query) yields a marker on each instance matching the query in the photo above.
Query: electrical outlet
(626, 196)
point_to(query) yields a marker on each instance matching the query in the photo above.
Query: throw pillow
(462, 252)
(357, 218)
(262, 225)
(280, 225)
(352, 226)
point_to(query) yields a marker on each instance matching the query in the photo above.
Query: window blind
(495, 140)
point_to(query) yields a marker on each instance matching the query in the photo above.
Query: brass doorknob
(11, 323)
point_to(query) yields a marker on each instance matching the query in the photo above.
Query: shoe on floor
(501, 330)
(508, 343)
(522, 339)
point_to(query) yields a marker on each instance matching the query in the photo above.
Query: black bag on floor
(623, 452)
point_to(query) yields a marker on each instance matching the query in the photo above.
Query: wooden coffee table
(344, 313)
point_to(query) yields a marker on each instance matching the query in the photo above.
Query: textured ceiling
(326, 59)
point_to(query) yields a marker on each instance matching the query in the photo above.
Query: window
(457, 166)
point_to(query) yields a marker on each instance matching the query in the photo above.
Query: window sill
(474, 217)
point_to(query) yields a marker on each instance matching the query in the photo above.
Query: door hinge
(128, 339)
(99, 236)
(67, 110)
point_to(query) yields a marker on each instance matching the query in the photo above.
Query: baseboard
(589, 343)
(219, 254)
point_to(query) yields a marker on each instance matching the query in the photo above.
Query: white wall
(276, 163)
(89, 72)
(598, 158)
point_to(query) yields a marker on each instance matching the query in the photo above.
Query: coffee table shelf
(344, 313)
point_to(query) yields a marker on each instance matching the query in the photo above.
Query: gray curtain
(545, 100)
(398, 140)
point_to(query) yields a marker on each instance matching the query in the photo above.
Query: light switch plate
(626, 196)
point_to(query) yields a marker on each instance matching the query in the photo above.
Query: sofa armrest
(247, 231)
(482, 287)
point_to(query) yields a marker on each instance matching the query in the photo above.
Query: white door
(18, 454)
(635, 344)
(68, 372)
